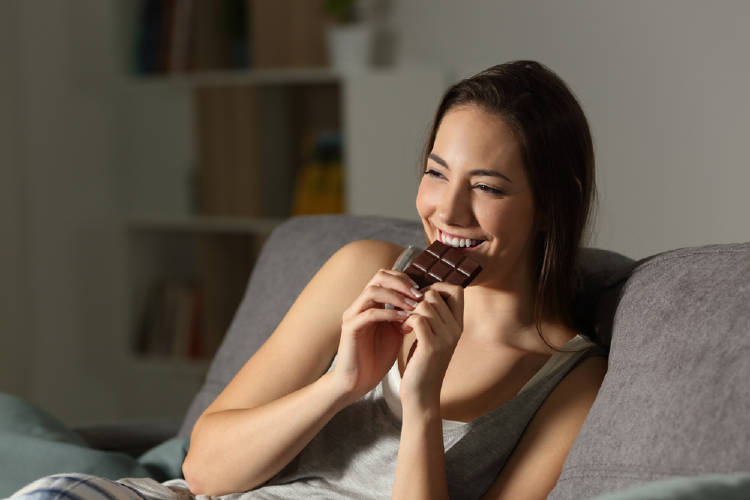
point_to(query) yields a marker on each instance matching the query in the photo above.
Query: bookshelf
(210, 163)
(247, 135)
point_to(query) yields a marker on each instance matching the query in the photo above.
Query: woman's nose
(455, 208)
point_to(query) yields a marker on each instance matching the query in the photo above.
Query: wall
(60, 217)
(664, 85)
(14, 291)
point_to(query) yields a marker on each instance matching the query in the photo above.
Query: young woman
(508, 176)
(500, 381)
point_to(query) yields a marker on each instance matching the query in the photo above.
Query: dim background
(663, 83)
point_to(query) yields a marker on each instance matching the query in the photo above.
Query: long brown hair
(558, 154)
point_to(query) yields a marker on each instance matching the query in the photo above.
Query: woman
(508, 175)
(500, 381)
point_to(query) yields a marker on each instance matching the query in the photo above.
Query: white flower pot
(349, 46)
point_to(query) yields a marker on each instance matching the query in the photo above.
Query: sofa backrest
(676, 398)
(300, 246)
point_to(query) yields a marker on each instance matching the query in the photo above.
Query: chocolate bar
(440, 262)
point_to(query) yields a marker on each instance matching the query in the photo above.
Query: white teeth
(458, 242)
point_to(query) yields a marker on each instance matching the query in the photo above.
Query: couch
(674, 406)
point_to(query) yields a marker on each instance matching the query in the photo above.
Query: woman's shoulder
(369, 254)
(352, 266)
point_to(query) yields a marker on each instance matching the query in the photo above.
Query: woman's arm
(437, 322)
(282, 397)
(420, 467)
(536, 463)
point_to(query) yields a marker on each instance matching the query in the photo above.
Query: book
(228, 170)
(176, 36)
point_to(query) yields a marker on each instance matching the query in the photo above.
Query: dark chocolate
(440, 262)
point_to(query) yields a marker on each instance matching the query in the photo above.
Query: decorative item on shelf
(348, 37)
(319, 187)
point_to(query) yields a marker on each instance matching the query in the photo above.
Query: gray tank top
(354, 455)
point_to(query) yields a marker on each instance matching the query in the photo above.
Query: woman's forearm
(420, 467)
(237, 450)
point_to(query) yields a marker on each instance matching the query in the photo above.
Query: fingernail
(415, 291)
(403, 313)
(410, 302)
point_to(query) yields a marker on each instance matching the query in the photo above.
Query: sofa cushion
(600, 277)
(676, 399)
(298, 247)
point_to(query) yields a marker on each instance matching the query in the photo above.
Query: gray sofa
(676, 399)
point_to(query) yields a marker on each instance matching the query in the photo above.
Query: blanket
(34, 444)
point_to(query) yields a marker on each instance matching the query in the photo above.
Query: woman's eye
(488, 189)
(433, 173)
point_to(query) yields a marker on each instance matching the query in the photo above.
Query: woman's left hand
(438, 324)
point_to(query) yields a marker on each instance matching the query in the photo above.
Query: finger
(433, 306)
(389, 280)
(377, 296)
(440, 318)
(426, 314)
(397, 280)
(422, 330)
(375, 316)
(453, 296)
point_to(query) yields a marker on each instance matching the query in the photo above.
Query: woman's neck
(506, 318)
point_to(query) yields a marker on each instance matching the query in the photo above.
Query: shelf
(204, 224)
(294, 76)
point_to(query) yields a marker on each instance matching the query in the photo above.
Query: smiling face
(475, 194)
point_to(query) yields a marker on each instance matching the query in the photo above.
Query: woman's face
(475, 194)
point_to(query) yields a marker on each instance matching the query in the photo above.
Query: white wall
(664, 84)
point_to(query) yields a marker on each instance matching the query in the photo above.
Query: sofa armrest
(130, 437)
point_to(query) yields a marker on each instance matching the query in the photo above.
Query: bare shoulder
(569, 403)
(536, 463)
(341, 278)
(588, 373)
(373, 254)
(309, 332)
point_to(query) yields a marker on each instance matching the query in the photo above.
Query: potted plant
(348, 37)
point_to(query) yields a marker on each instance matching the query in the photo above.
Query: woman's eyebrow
(480, 172)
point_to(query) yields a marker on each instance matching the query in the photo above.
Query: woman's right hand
(371, 334)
